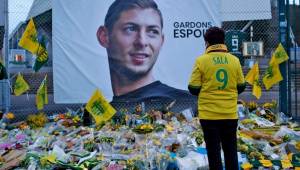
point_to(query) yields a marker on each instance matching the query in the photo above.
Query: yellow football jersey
(217, 73)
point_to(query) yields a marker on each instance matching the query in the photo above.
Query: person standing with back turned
(217, 79)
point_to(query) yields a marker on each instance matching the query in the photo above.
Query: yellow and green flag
(252, 74)
(272, 76)
(42, 55)
(99, 108)
(253, 78)
(20, 86)
(29, 41)
(279, 55)
(41, 97)
(256, 91)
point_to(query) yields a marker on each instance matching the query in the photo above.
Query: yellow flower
(247, 121)
(290, 156)
(68, 115)
(252, 105)
(36, 121)
(270, 105)
(169, 128)
(143, 127)
(10, 115)
(267, 105)
(266, 163)
(100, 157)
(146, 126)
(48, 158)
(156, 142)
(286, 164)
(76, 119)
(298, 145)
(247, 166)
(2, 159)
(23, 126)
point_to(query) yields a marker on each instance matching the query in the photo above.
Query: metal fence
(41, 11)
(4, 103)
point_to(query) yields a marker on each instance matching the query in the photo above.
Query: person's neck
(122, 85)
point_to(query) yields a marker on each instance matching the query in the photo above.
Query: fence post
(295, 60)
(283, 29)
(6, 87)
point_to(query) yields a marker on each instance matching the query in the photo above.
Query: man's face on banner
(135, 41)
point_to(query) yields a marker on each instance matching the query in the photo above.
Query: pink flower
(20, 137)
(4, 146)
(115, 167)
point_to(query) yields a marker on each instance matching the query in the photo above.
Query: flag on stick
(99, 108)
(253, 78)
(42, 95)
(273, 75)
(20, 86)
(279, 56)
(29, 41)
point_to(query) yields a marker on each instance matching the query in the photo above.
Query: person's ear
(206, 44)
(102, 35)
(163, 39)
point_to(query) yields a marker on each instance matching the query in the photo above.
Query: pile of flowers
(157, 139)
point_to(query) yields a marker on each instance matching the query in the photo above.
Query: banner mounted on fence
(80, 59)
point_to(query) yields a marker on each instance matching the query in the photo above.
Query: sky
(18, 11)
(294, 1)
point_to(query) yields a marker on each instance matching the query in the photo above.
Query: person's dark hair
(119, 6)
(214, 35)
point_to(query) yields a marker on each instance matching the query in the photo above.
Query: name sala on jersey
(220, 60)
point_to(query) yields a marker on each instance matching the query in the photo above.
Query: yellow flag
(256, 91)
(253, 78)
(42, 55)
(99, 108)
(29, 39)
(41, 97)
(272, 76)
(253, 74)
(20, 86)
(279, 55)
